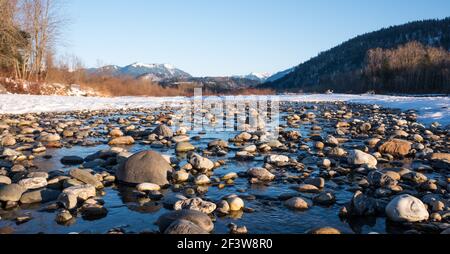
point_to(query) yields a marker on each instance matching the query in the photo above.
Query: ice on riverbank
(430, 109)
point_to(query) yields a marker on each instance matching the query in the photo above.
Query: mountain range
(409, 58)
(155, 72)
(166, 72)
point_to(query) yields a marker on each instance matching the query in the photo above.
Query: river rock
(406, 208)
(183, 147)
(63, 217)
(33, 183)
(440, 156)
(8, 140)
(196, 204)
(5, 180)
(261, 174)
(70, 196)
(235, 203)
(362, 205)
(373, 142)
(11, 192)
(379, 179)
(244, 136)
(307, 188)
(50, 138)
(122, 141)
(145, 167)
(202, 180)
(415, 177)
(218, 143)
(180, 176)
(93, 212)
(359, 158)
(72, 160)
(325, 198)
(201, 163)
(274, 159)
(115, 133)
(325, 231)
(86, 177)
(184, 227)
(337, 152)
(274, 143)
(198, 218)
(179, 139)
(396, 147)
(163, 131)
(331, 141)
(148, 187)
(39, 196)
(250, 149)
(296, 203)
(319, 182)
(223, 207)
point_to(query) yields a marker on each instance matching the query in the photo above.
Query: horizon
(203, 41)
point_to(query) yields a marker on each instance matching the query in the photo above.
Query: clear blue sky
(227, 37)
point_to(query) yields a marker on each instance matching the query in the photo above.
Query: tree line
(412, 67)
(29, 30)
(348, 67)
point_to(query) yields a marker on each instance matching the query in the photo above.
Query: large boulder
(198, 218)
(406, 208)
(145, 167)
(360, 158)
(396, 147)
(184, 227)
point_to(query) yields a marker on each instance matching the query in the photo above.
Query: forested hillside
(411, 58)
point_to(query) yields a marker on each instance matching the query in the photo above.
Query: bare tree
(43, 21)
(12, 38)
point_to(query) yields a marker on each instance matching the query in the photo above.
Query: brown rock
(396, 147)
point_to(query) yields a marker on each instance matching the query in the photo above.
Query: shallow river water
(269, 216)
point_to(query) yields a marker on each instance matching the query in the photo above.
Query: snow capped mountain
(279, 75)
(256, 76)
(155, 72)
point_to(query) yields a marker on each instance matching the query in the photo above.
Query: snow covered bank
(20, 104)
(430, 109)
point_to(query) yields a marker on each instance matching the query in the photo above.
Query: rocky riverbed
(333, 167)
